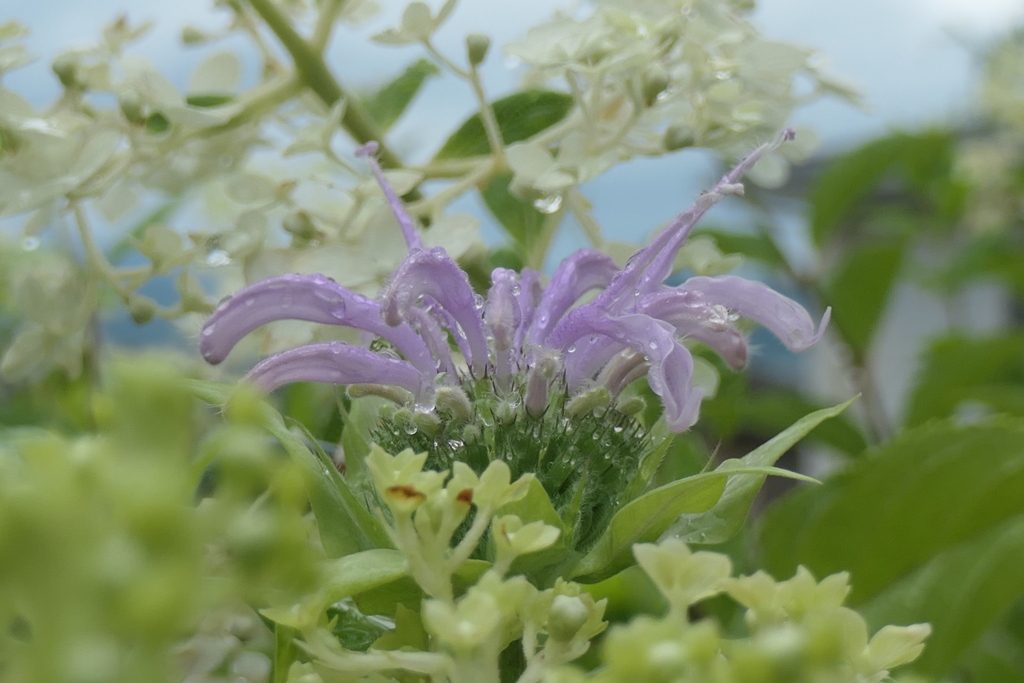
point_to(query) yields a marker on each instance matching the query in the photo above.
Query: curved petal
(503, 318)
(336, 363)
(432, 273)
(788, 320)
(530, 292)
(692, 317)
(423, 322)
(648, 267)
(412, 235)
(577, 274)
(671, 363)
(313, 298)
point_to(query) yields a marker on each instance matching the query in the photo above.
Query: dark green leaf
(921, 160)
(285, 651)
(726, 518)
(520, 220)
(859, 291)
(958, 369)
(520, 116)
(387, 104)
(931, 527)
(960, 592)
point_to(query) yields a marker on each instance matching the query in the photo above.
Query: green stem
(324, 23)
(321, 81)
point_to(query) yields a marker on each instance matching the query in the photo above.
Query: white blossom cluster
(220, 185)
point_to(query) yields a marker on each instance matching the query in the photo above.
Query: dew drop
(516, 289)
(30, 243)
(723, 75)
(208, 330)
(248, 302)
(548, 204)
(652, 345)
(617, 429)
(571, 349)
(217, 257)
(478, 302)
(409, 428)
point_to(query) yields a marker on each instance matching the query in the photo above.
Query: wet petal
(788, 320)
(336, 363)
(577, 274)
(503, 319)
(530, 292)
(648, 267)
(313, 298)
(692, 317)
(432, 273)
(434, 337)
(671, 363)
(409, 230)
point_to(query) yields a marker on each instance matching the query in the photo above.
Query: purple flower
(522, 336)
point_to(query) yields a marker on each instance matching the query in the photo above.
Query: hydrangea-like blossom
(523, 335)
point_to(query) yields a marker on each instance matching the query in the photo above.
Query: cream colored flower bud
(477, 46)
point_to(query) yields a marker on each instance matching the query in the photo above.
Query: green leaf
(648, 466)
(520, 116)
(643, 520)
(923, 160)
(931, 527)
(345, 525)
(998, 655)
(768, 411)
(521, 221)
(208, 100)
(387, 104)
(960, 592)
(726, 518)
(957, 369)
(345, 577)
(859, 291)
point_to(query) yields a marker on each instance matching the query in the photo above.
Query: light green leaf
(345, 524)
(387, 104)
(726, 518)
(342, 578)
(644, 520)
(219, 74)
(520, 116)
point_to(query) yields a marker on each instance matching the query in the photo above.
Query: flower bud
(587, 402)
(66, 68)
(141, 309)
(131, 107)
(567, 616)
(477, 45)
(190, 35)
(300, 225)
(654, 82)
(678, 137)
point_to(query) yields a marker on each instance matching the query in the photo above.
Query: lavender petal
(577, 274)
(335, 363)
(503, 318)
(412, 235)
(690, 315)
(788, 320)
(432, 273)
(530, 292)
(671, 365)
(648, 267)
(313, 298)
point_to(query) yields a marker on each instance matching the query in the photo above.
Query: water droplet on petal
(548, 204)
(571, 349)
(30, 243)
(652, 345)
(249, 302)
(208, 330)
